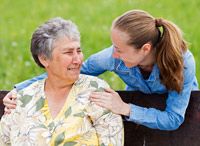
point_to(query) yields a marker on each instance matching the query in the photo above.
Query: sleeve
(6, 123)
(109, 126)
(28, 82)
(5, 126)
(176, 104)
(98, 63)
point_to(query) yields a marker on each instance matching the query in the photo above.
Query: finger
(14, 96)
(106, 94)
(100, 103)
(94, 96)
(99, 96)
(96, 100)
(109, 90)
(11, 102)
(7, 97)
(7, 111)
(10, 106)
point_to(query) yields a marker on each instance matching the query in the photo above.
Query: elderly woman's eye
(68, 53)
(79, 51)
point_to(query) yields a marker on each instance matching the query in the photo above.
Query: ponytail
(164, 36)
(169, 55)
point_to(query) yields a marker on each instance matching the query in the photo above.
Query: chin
(72, 80)
(129, 65)
(75, 76)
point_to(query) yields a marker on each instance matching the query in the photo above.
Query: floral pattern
(79, 123)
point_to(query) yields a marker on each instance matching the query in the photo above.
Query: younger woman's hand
(110, 100)
(9, 102)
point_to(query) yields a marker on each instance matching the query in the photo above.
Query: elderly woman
(56, 110)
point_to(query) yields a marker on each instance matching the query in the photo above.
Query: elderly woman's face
(66, 59)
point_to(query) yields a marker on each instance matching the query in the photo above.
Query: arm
(26, 83)
(99, 63)
(9, 100)
(176, 104)
(1, 142)
(4, 133)
(109, 126)
(5, 125)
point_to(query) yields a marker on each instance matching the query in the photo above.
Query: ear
(43, 60)
(146, 48)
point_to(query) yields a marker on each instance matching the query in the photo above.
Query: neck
(56, 85)
(57, 88)
(148, 63)
(56, 92)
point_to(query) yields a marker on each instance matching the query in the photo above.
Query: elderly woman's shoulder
(92, 81)
(34, 87)
(90, 78)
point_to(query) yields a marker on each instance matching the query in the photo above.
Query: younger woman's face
(128, 54)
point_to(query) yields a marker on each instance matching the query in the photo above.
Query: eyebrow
(117, 49)
(71, 49)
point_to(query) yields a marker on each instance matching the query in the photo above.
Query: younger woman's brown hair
(164, 36)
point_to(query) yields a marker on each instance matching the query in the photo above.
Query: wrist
(126, 109)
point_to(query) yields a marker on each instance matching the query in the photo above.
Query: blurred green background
(19, 18)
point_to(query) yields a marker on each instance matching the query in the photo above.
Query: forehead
(118, 34)
(119, 38)
(66, 43)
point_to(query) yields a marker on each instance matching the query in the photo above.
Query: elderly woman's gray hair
(45, 35)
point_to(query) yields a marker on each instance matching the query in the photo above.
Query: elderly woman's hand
(110, 100)
(9, 102)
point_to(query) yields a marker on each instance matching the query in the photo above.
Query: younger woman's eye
(117, 50)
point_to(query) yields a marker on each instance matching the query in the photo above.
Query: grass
(94, 17)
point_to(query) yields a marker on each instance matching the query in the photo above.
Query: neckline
(68, 101)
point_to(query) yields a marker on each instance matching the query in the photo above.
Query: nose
(77, 58)
(115, 54)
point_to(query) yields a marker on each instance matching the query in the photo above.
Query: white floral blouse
(79, 122)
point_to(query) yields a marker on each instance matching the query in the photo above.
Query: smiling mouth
(75, 69)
